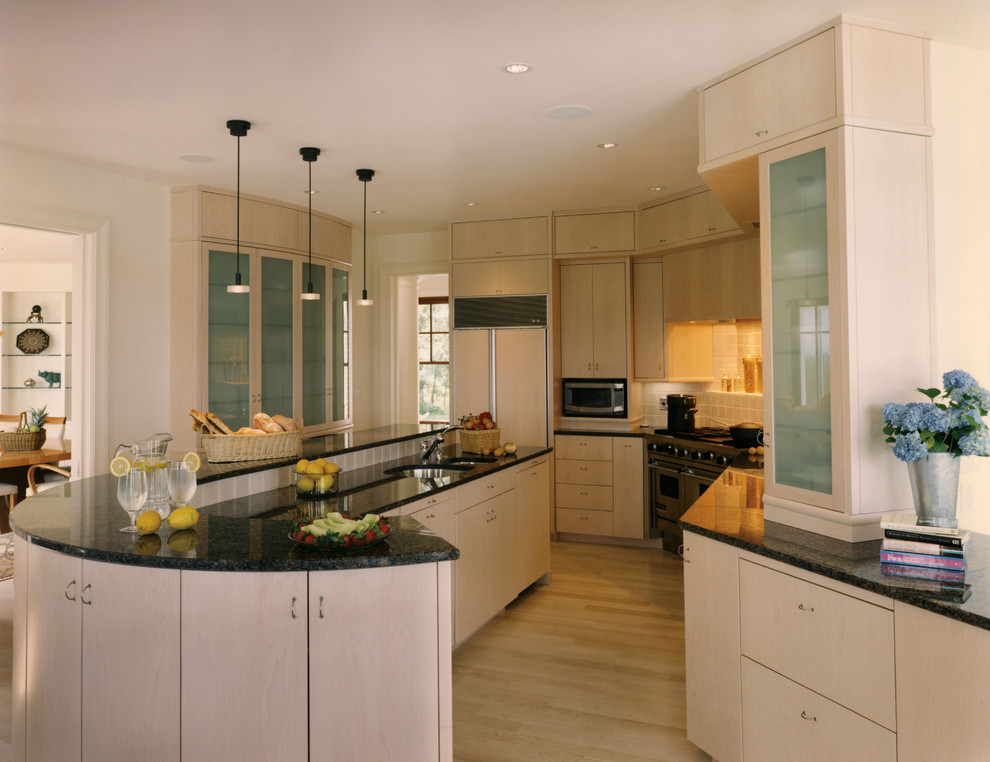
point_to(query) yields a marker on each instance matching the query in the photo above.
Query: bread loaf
(286, 424)
(248, 431)
(215, 422)
(264, 422)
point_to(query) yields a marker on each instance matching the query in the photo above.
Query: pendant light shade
(238, 128)
(309, 156)
(365, 175)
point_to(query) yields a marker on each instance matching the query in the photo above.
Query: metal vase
(935, 486)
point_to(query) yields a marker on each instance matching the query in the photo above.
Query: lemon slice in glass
(120, 466)
(192, 461)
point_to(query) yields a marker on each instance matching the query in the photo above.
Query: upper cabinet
(495, 278)
(594, 233)
(714, 283)
(593, 320)
(687, 219)
(648, 322)
(521, 237)
(848, 71)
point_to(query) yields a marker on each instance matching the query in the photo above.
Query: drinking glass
(132, 491)
(181, 483)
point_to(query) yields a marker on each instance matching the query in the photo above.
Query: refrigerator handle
(491, 373)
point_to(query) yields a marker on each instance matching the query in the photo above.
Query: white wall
(961, 157)
(138, 211)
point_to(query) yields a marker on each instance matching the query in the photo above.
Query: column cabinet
(845, 216)
(533, 522)
(628, 494)
(649, 326)
(91, 629)
(593, 320)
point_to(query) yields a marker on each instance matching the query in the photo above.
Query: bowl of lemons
(316, 479)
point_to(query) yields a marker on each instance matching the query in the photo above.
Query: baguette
(200, 419)
(287, 424)
(264, 421)
(216, 423)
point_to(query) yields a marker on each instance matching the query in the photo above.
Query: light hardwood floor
(590, 667)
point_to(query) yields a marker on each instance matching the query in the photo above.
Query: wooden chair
(34, 487)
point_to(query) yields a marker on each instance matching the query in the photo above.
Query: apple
(486, 450)
(499, 452)
(510, 448)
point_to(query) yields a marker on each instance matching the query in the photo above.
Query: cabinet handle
(809, 609)
(292, 608)
(321, 607)
(761, 133)
(583, 518)
(682, 551)
(82, 595)
(431, 516)
(73, 596)
(809, 717)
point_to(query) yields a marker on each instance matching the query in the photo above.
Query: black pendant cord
(238, 249)
(310, 278)
(364, 265)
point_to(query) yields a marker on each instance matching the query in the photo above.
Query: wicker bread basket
(233, 447)
(473, 441)
(28, 440)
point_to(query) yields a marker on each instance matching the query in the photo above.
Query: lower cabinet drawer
(782, 720)
(584, 472)
(587, 497)
(584, 522)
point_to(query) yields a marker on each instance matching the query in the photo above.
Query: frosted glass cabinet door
(799, 302)
(341, 321)
(315, 386)
(229, 347)
(276, 336)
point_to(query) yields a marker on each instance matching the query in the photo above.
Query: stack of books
(928, 559)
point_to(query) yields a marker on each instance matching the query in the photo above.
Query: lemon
(305, 484)
(192, 461)
(183, 541)
(301, 466)
(325, 483)
(120, 466)
(148, 522)
(321, 463)
(149, 545)
(183, 518)
(331, 468)
(314, 469)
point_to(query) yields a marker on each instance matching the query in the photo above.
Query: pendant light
(238, 128)
(309, 156)
(365, 175)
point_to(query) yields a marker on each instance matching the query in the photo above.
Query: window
(434, 359)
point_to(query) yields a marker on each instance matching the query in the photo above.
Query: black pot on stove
(680, 412)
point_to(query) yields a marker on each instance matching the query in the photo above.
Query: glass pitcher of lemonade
(149, 456)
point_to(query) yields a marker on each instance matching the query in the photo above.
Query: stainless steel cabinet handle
(761, 133)
(806, 716)
(292, 608)
(73, 596)
(82, 595)
(809, 609)
(682, 552)
(321, 607)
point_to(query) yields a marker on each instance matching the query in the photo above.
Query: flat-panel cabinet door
(474, 570)
(521, 385)
(533, 524)
(244, 666)
(609, 330)
(373, 685)
(648, 320)
(577, 357)
(628, 511)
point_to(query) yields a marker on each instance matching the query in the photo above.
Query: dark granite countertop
(731, 511)
(638, 431)
(323, 446)
(82, 518)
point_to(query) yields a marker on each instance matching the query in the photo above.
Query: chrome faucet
(429, 449)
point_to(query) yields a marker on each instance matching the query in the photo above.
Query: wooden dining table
(14, 465)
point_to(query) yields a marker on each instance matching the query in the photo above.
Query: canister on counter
(759, 375)
(749, 374)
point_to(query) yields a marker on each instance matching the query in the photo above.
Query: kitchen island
(231, 641)
(829, 658)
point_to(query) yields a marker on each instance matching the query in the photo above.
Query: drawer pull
(809, 609)
(321, 607)
(82, 595)
(806, 716)
(761, 133)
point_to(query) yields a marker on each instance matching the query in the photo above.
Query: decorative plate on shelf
(32, 341)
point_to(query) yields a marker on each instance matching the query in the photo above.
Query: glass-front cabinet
(798, 329)
(271, 351)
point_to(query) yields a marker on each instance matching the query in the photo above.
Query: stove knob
(696, 455)
(722, 460)
(681, 451)
(708, 455)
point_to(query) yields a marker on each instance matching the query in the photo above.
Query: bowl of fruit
(316, 479)
(479, 433)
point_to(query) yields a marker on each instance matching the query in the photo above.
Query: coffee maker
(680, 412)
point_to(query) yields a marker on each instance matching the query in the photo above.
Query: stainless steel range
(679, 468)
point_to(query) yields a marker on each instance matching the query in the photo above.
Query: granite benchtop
(82, 518)
(731, 511)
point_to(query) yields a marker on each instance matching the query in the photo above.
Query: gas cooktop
(712, 435)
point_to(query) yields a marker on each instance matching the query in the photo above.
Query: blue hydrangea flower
(908, 447)
(958, 379)
(976, 443)
(893, 414)
(936, 419)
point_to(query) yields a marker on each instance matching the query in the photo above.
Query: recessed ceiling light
(378, 211)
(307, 192)
(608, 145)
(516, 68)
(657, 188)
(197, 158)
(568, 112)
(471, 203)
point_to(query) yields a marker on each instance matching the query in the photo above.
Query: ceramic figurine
(54, 378)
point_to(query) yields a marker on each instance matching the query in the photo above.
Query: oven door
(666, 495)
(693, 484)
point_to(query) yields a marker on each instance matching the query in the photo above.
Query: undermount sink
(470, 460)
(428, 471)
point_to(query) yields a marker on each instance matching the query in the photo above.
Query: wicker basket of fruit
(30, 433)
(480, 433)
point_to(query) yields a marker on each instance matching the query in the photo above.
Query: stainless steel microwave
(595, 397)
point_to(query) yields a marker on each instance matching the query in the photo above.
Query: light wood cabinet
(494, 278)
(90, 632)
(784, 720)
(231, 620)
(521, 237)
(594, 233)
(689, 219)
(711, 647)
(533, 523)
(715, 283)
(436, 513)
(599, 485)
(649, 325)
(593, 340)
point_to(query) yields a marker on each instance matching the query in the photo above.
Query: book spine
(922, 572)
(920, 559)
(928, 548)
(914, 526)
(903, 534)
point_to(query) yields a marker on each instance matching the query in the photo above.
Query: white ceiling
(412, 89)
